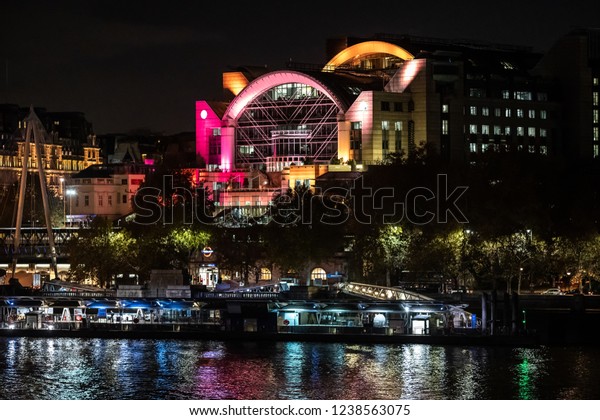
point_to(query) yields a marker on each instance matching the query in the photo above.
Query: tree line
(509, 220)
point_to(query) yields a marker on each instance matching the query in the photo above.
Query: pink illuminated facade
(377, 97)
(291, 118)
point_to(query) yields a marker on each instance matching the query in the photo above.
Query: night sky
(142, 64)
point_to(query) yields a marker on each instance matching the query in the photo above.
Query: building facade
(389, 94)
(103, 190)
(69, 146)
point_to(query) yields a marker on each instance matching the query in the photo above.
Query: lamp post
(519, 284)
(62, 193)
(70, 192)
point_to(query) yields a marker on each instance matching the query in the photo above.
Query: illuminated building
(393, 93)
(69, 147)
(573, 63)
(104, 190)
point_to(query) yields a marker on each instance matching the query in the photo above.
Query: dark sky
(142, 64)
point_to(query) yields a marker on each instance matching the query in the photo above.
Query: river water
(84, 369)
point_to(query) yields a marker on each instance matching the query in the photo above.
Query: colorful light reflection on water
(62, 368)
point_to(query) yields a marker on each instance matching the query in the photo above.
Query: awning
(103, 304)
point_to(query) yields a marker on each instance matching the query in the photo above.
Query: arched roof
(367, 48)
(341, 88)
(270, 80)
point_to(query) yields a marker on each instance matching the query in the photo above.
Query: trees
(306, 229)
(169, 197)
(100, 253)
(182, 243)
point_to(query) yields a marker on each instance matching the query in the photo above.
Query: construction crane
(34, 129)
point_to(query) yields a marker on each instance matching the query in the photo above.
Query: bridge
(372, 291)
(34, 244)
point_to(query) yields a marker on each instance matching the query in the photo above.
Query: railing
(237, 295)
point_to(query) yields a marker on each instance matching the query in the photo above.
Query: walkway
(381, 292)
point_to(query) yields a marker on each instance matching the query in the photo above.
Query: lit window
(497, 112)
(398, 126)
(505, 94)
(507, 130)
(543, 114)
(531, 131)
(444, 126)
(595, 81)
(520, 113)
(473, 110)
(520, 131)
(507, 113)
(485, 129)
(385, 135)
(246, 150)
(485, 111)
(472, 128)
(523, 96)
(473, 147)
(595, 98)
(445, 108)
(476, 93)
(595, 133)
(543, 132)
(531, 148)
(265, 274)
(484, 147)
(318, 274)
(595, 116)
(542, 96)
(497, 130)
(532, 113)
(544, 150)
(595, 150)
(216, 132)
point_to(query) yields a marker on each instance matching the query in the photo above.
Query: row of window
(316, 274)
(398, 106)
(498, 130)
(507, 112)
(109, 181)
(476, 148)
(109, 200)
(519, 95)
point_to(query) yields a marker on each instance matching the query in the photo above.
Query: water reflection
(169, 369)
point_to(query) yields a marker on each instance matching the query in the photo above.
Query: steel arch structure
(284, 118)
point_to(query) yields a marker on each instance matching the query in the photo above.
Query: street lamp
(519, 284)
(70, 192)
(62, 193)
